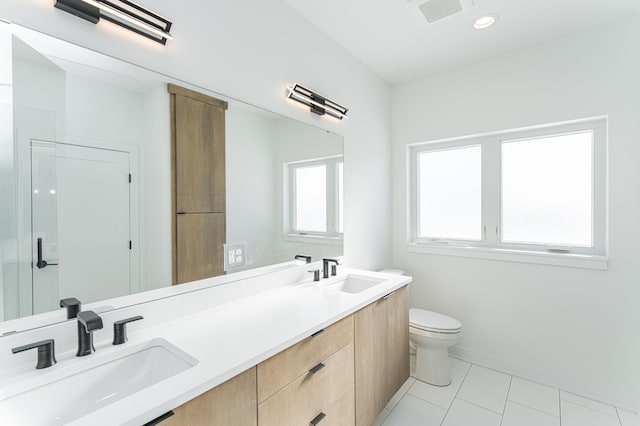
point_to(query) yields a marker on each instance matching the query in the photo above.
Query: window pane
(340, 197)
(547, 190)
(449, 195)
(311, 198)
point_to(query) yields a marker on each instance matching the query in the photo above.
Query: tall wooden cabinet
(197, 184)
(381, 353)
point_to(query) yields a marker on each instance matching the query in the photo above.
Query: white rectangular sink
(354, 283)
(71, 397)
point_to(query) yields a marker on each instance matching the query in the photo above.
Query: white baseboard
(578, 387)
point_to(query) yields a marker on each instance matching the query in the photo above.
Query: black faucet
(325, 267)
(72, 305)
(46, 352)
(88, 322)
(306, 258)
(120, 329)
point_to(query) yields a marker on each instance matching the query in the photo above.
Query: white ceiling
(393, 38)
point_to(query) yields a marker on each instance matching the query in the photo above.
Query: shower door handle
(41, 263)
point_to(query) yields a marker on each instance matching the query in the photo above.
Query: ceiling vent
(434, 10)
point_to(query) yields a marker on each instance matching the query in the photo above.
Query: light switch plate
(234, 255)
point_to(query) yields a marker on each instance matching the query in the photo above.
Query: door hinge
(129, 177)
(130, 244)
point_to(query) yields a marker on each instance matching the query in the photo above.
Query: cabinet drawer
(342, 411)
(284, 367)
(299, 402)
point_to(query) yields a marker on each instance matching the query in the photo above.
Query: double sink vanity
(266, 343)
(275, 349)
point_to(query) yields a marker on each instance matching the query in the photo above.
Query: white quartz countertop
(225, 340)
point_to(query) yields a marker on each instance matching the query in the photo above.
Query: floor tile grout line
(399, 399)
(615, 407)
(591, 408)
(425, 400)
(618, 414)
(457, 392)
(403, 394)
(506, 399)
(560, 405)
(480, 406)
(532, 408)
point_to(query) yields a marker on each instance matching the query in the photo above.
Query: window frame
(491, 245)
(332, 202)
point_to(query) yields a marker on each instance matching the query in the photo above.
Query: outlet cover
(234, 255)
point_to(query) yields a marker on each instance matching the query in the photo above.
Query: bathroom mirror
(85, 181)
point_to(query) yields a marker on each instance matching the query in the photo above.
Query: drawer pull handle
(317, 333)
(317, 368)
(386, 296)
(317, 419)
(160, 419)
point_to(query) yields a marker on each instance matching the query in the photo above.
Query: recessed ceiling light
(484, 21)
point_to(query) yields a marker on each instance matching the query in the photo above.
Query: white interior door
(81, 213)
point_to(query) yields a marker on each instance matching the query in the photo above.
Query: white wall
(155, 195)
(250, 51)
(250, 181)
(575, 328)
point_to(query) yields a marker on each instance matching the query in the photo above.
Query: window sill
(314, 239)
(540, 258)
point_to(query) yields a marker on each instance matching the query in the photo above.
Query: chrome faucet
(88, 322)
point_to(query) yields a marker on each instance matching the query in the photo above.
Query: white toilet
(431, 334)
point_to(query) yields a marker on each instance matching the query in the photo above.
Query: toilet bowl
(431, 335)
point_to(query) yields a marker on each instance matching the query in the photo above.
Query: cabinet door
(397, 357)
(199, 241)
(370, 362)
(200, 156)
(231, 403)
(381, 353)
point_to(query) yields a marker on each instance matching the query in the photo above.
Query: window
(537, 192)
(449, 194)
(314, 204)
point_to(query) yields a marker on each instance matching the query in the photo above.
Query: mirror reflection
(89, 203)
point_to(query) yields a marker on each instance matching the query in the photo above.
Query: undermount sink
(354, 283)
(78, 394)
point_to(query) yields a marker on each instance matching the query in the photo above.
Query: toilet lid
(427, 320)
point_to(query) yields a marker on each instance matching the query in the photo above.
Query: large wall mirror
(85, 180)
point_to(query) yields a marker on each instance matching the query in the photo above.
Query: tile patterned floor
(479, 396)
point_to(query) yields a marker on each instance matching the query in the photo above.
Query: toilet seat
(434, 322)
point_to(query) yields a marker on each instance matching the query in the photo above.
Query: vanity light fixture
(121, 12)
(318, 104)
(485, 21)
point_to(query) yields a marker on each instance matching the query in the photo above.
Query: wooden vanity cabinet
(381, 353)
(231, 403)
(345, 375)
(312, 379)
